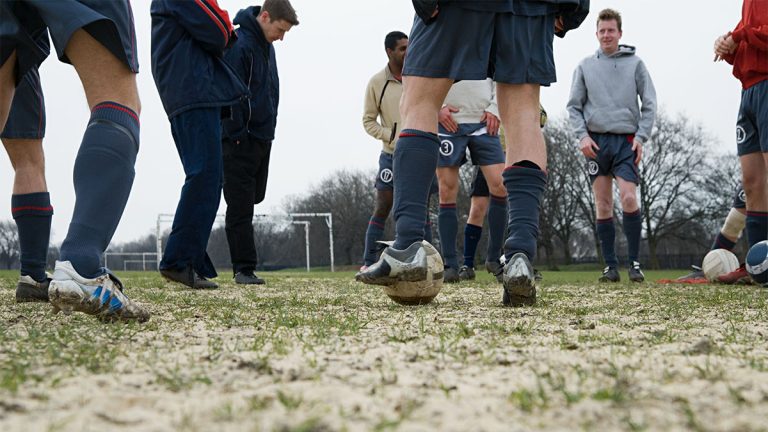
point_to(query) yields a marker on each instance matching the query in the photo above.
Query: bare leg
(477, 209)
(28, 162)
(421, 102)
(628, 194)
(603, 190)
(492, 174)
(520, 115)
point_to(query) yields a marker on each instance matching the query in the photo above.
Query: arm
(576, 101)
(647, 93)
(491, 114)
(571, 17)
(205, 21)
(757, 37)
(371, 115)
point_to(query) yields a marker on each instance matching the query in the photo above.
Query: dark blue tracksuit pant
(197, 134)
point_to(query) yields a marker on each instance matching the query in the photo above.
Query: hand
(724, 45)
(637, 147)
(446, 119)
(491, 123)
(588, 147)
(559, 25)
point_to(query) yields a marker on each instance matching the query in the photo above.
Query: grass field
(319, 352)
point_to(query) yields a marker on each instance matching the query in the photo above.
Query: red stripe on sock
(757, 213)
(119, 108)
(448, 205)
(604, 221)
(376, 224)
(24, 208)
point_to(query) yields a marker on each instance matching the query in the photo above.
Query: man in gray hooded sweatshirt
(612, 127)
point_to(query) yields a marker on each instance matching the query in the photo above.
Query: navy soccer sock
(606, 233)
(524, 185)
(448, 227)
(372, 236)
(414, 164)
(723, 242)
(103, 177)
(472, 234)
(428, 230)
(757, 227)
(32, 213)
(497, 218)
(633, 225)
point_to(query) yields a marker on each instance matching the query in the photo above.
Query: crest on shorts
(741, 135)
(446, 147)
(386, 175)
(592, 168)
(742, 195)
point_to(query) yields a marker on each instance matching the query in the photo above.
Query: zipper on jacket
(250, 110)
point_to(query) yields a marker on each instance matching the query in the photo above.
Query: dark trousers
(197, 134)
(246, 167)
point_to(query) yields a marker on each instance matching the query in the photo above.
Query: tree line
(686, 189)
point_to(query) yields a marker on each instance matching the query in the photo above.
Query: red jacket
(750, 61)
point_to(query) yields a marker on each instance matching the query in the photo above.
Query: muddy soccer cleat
(451, 275)
(407, 265)
(30, 290)
(466, 273)
(635, 273)
(519, 281)
(736, 277)
(695, 275)
(102, 296)
(610, 274)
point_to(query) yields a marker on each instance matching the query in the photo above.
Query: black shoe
(466, 273)
(635, 274)
(189, 278)
(248, 278)
(30, 290)
(519, 282)
(451, 275)
(696, 273)
(407, 265)
(610, 274)
(495, 268)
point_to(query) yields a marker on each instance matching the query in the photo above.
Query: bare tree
(674, 175)
(9, 244)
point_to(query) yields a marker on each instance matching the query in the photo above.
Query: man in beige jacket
(381, 119)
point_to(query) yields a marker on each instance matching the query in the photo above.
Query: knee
(497, 189)
(753, 183)
(628, 201)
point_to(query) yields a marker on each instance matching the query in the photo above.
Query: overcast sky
(324, 66)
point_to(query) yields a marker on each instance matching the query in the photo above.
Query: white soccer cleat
(102, 296)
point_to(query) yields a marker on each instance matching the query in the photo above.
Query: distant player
(381, 119)
(98, 38)
(746, 48)
(197, 89)
(30, 202)
(480, 205)
(469, 120)
(248, 136)
(612, 127)
(511, 42)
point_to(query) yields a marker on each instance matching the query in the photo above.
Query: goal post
(290, 219)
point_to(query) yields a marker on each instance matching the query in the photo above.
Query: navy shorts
(484, 149)
(26, 23)
(479, 185)
(466, 44)
(752, 124)
(27, 117)
(739, 198)
(615, 157)
(385, 176)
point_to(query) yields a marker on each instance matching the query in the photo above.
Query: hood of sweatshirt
(247, 19)
(623, 51)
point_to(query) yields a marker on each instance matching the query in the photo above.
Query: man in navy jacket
(197, 87)
(248, 135)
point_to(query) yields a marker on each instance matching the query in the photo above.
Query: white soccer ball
(719, 262)
(422, 292)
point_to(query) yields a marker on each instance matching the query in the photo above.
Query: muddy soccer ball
(719, 262)
(421, 292)
(757, 262)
